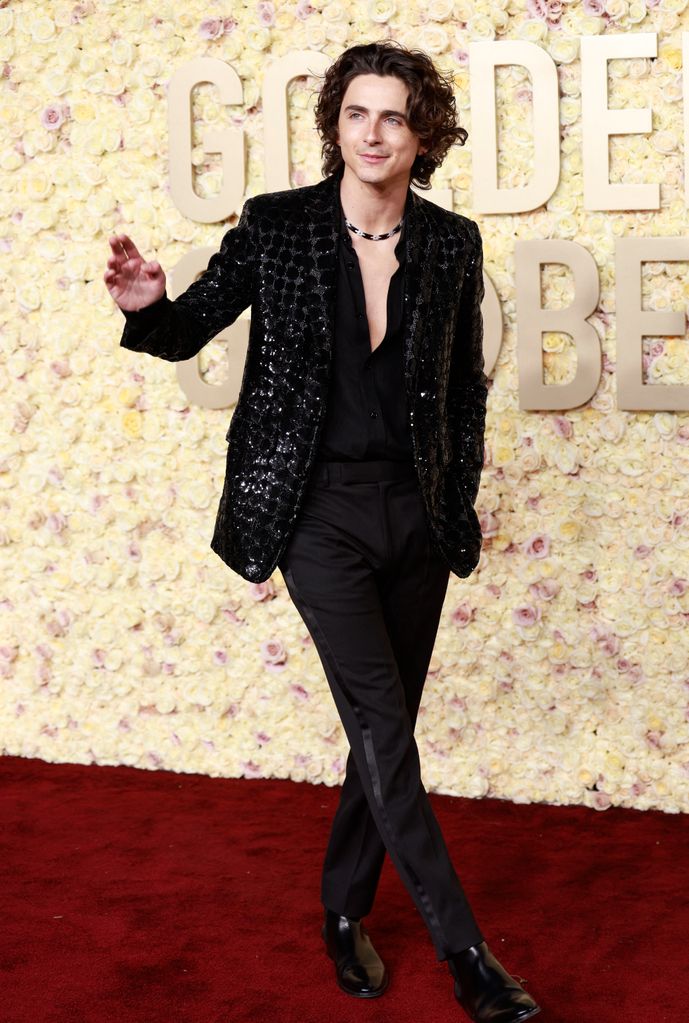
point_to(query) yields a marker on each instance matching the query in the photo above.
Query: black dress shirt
(366, 415)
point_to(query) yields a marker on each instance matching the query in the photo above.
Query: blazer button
(373, 414)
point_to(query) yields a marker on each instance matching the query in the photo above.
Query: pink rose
(211, 28)
(304, 10)
(526, 615)
(549, 11)
(266, 13)
(537, 546)
(56, 522)
(562, 426)
(601, 801)
(273, 654)
(544, 589)
(489, 525)
(80, 11)
(607, 641)
(678, 587)
(610, 645)
(53, 116)
(462, 615)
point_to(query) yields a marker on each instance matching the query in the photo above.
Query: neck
(374, 207)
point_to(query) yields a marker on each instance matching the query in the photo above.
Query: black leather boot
(359, 968)
(486, 991)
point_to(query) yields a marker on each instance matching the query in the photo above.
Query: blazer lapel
(321, 220)
(422, 244)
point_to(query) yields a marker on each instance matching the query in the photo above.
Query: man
(354, 459)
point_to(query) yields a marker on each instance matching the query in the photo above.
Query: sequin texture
(280, 259)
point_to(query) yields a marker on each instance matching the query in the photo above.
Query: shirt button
(359, 316)
(350, 265)
(373, 414)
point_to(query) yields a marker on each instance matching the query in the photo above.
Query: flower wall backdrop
(561, 669)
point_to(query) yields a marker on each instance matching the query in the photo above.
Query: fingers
(124, 249)
(124, 244)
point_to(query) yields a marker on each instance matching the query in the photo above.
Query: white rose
(480, 27)
(122, 51)
(532, 30)
(433, 39)
(564, 49)
(440, 10)
(41, 28)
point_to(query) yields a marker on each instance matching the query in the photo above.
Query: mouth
(370, 158)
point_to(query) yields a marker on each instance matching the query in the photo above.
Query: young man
(355, 452)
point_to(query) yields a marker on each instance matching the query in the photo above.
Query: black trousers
(362, 574)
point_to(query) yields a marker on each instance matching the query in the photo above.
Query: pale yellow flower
(131, 423)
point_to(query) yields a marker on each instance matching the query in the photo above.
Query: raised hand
(132, 282)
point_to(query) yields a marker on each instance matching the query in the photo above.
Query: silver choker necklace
(374, 237)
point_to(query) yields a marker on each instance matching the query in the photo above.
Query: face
(375, 140)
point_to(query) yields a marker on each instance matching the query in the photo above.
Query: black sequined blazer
(281, 260)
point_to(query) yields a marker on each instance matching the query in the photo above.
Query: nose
(373, 132)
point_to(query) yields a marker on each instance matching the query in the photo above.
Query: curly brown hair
(431, 109)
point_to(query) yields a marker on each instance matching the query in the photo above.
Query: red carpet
(132, 896)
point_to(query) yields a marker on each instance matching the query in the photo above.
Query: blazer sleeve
(468, 384)
(178, 329)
